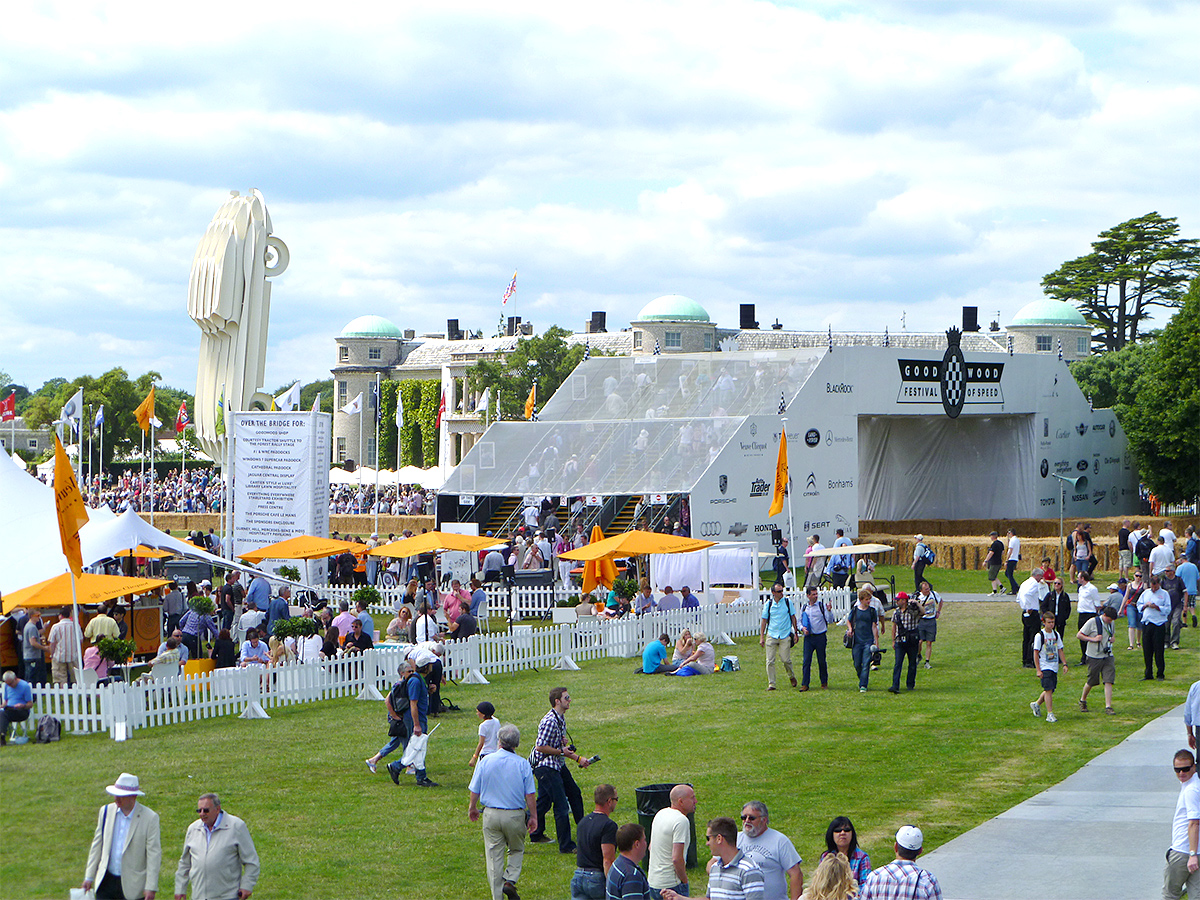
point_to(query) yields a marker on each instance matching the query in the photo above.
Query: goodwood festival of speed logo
(952, 380)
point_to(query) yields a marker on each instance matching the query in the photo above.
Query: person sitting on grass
(654, 657)
(702, 661)
(1047, 656)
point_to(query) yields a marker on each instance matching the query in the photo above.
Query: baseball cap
(909, 837)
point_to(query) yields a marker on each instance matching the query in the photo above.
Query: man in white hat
(131, 874)
(903, 878)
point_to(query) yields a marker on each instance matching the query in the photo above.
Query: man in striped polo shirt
(731, 875)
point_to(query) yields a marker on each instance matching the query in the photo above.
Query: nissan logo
(710, 529)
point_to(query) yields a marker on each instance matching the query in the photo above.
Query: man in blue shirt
(775, 633)
(654, 657)
(503, 782)
(625, 880)
(416, 709)
(18, 698)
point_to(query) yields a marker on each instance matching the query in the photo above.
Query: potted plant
(116, 651)
(564, 611)
(368, 595)
(291, 573)
(624, 588)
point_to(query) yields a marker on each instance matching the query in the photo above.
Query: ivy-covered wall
(418, 437)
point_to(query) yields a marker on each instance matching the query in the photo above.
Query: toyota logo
(710, 529)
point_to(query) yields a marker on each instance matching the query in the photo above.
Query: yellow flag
(68, 503)
(145, 410)
(530, 401)
(781, 477)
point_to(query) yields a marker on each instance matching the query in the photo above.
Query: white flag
(354, 407)
(289, 400)
(73, 410)
(317, 402)
(399, 410)
(484, 400)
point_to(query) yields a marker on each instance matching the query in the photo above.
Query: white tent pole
(378, 412)
(86, 477)
(153, 441)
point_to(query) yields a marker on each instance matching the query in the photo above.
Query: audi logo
(710, 529)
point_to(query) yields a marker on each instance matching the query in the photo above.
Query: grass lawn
(958, 750)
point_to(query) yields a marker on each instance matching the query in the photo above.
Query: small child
(489, 731)
(1047, 655)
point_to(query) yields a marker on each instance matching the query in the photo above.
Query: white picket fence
(121, 708)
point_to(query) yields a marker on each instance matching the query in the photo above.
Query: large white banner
(281, 477)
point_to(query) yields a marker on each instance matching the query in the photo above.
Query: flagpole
(86, 477)
(142, 479)
(378, 412)
(101, 460)
(791, 524)
(153, 441)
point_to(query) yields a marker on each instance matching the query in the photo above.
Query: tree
(120, 397)
(1133, 266)
(510, 379)
(1110, 379)
(1162, 419)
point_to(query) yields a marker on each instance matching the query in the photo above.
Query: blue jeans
(681, 889)
(390, 747)
(587, 885)
(862, 662)
(815, 643)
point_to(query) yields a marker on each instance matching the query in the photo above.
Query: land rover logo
(954, 375)
(812, 437)
(723, 483)
(1045, 467)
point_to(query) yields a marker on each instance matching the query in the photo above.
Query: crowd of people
(201, 490)
(513, 795)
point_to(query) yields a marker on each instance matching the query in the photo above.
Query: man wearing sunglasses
(772, 852)
(218, 856)
(1183, 867)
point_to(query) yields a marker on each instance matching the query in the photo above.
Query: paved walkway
(1099, 835)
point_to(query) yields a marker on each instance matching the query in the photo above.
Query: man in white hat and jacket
(131, 872)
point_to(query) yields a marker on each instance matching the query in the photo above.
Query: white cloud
(826, 161)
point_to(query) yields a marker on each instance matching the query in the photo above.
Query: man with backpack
(923, 556)
(775, 632)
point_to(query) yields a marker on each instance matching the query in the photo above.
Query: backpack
(49, 729)
(1144, 546)
(929, 555)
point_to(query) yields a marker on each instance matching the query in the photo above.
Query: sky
(854, 165)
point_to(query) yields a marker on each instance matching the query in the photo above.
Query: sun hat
(920, 537)
(126, 786)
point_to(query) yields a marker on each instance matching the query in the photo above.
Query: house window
(371, 452)
(637, 340)
(1044, 343)
(374, 353)
(708, 343)
(341, 450)
(1081, 346)
(33, 443)
(341, 394)
(343, 354)
(673, 340)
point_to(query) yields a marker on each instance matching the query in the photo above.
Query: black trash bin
(653, 797)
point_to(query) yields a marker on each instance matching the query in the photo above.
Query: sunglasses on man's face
(1187, 768)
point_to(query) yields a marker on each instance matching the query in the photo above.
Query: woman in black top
(224, 651)
(329, 649)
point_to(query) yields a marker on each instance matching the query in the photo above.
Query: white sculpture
(229, 297)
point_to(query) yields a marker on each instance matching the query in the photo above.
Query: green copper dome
(673, 308)
(372, 327)
(1049, 312)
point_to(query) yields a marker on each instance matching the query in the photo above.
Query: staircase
(506, 510)
(623, 520)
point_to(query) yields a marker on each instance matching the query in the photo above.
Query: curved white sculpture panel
(229, 297)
